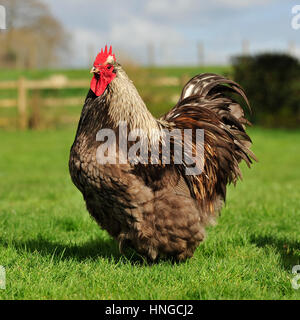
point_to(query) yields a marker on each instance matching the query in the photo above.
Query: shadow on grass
(91, 250)
(289, 250)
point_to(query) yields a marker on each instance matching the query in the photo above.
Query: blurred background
(48, 47)
(48, 243)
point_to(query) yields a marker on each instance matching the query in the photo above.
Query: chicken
(155, 207)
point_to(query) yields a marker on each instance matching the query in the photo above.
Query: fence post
(22, 104)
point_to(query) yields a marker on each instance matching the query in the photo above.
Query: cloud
(139, 31)
(195, 8)
(242, 3)
(131, 36)
(170, 7)
(175, 27)
(137, 34)
(84, 41)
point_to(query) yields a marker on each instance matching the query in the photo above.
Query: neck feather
(125, 104)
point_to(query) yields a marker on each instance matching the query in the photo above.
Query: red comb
(103, 55)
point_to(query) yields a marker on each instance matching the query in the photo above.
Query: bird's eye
(109, 67)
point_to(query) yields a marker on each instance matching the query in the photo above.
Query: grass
(51, 249)
(173, 71)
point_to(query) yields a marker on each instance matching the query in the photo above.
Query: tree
(271, 82)
(34, 38)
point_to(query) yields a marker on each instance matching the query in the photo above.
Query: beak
(94, 70)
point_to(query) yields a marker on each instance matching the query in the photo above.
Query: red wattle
(98, 85)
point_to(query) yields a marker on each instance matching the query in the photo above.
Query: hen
(155, 206)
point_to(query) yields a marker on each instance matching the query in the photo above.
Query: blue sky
(174, 27)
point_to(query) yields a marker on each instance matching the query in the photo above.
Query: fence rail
(23, 85)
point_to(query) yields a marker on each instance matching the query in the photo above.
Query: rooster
(156, 208)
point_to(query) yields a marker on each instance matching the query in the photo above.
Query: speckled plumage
(157, 209)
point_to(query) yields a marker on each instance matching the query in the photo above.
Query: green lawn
(51, 249)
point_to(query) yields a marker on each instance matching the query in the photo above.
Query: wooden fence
(23, 85)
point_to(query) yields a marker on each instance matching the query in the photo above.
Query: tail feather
(211, 91)
(207, 102)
